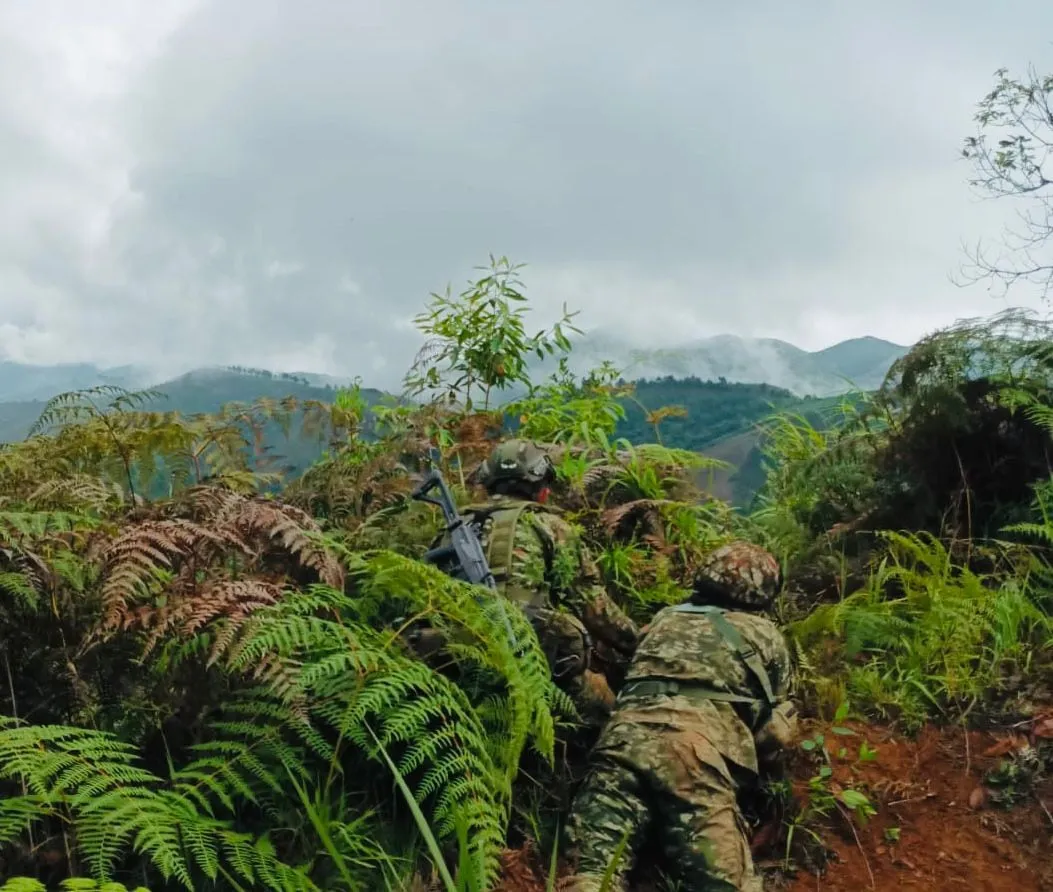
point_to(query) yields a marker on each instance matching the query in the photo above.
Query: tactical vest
(749, 656)
(499, 547)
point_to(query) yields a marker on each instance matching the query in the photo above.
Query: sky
(282, 183)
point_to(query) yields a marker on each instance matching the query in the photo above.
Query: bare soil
(937, 827)
(950, 835)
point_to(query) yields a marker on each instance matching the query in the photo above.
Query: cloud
(283, 183)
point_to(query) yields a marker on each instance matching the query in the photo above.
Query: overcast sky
(281, 183)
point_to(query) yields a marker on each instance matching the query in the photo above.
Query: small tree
(478, 340)
(1012, 155)
(562, 407)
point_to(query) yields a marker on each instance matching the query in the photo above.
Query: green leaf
(854, 799)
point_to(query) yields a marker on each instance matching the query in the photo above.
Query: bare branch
(1012, 157)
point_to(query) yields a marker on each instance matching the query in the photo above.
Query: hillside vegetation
(206, 685)
(711, 412)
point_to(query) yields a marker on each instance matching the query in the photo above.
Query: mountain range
(726, 385)
(23, 382)
(202, 391)
(856, 364)
(721, 417)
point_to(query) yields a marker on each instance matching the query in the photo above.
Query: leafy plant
(481, 337)
(565, 409)
(926, 636)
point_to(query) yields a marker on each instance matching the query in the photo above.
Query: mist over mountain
(859, 363)
(22, 382)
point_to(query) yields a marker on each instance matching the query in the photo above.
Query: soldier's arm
(779, 732)
(581, 589)
(606, 621)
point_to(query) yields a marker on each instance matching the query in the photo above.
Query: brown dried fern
(268, 523)
(642, 518)
(233, 599)
(136, 561)
(210, 553)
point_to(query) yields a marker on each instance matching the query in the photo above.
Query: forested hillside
(205, 390)
(713, 411)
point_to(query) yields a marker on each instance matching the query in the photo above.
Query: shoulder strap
(501, 543)
(746, 652)
(502, 539)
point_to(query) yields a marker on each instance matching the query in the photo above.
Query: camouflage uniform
(539, 562)
(704, 703)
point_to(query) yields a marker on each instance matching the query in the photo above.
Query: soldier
(539, 561)
(704, 706)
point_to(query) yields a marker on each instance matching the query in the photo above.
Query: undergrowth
(206, 680)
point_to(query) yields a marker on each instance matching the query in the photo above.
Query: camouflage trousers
(669, 783)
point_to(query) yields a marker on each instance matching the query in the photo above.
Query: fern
(89, 780)
(339, 672)
(174, 572)
(932, 636)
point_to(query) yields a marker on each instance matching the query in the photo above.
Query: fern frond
(90, 778)
(343, 674)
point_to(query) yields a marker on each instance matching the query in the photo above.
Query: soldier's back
(685, 658)
(688, 646)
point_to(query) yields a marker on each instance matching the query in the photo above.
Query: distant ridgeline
(723, 422)
(715, 409)
(207, 391)
(721, 417)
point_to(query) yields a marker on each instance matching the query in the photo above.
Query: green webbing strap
(501, 544)
(747, 654)
(654, 686)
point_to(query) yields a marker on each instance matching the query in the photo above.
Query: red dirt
(930, 789)
(949, 838)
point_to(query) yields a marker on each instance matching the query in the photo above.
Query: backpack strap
(653, 687)
(500, 545)
(502, 538)
(729, 633)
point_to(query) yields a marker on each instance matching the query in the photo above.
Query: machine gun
(463, 558)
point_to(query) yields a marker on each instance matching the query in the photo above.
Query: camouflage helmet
(516, 461)
(740, 573)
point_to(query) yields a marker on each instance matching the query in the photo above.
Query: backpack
(500, 545)
(750, 658)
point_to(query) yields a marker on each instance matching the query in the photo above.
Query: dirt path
(936, 827)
